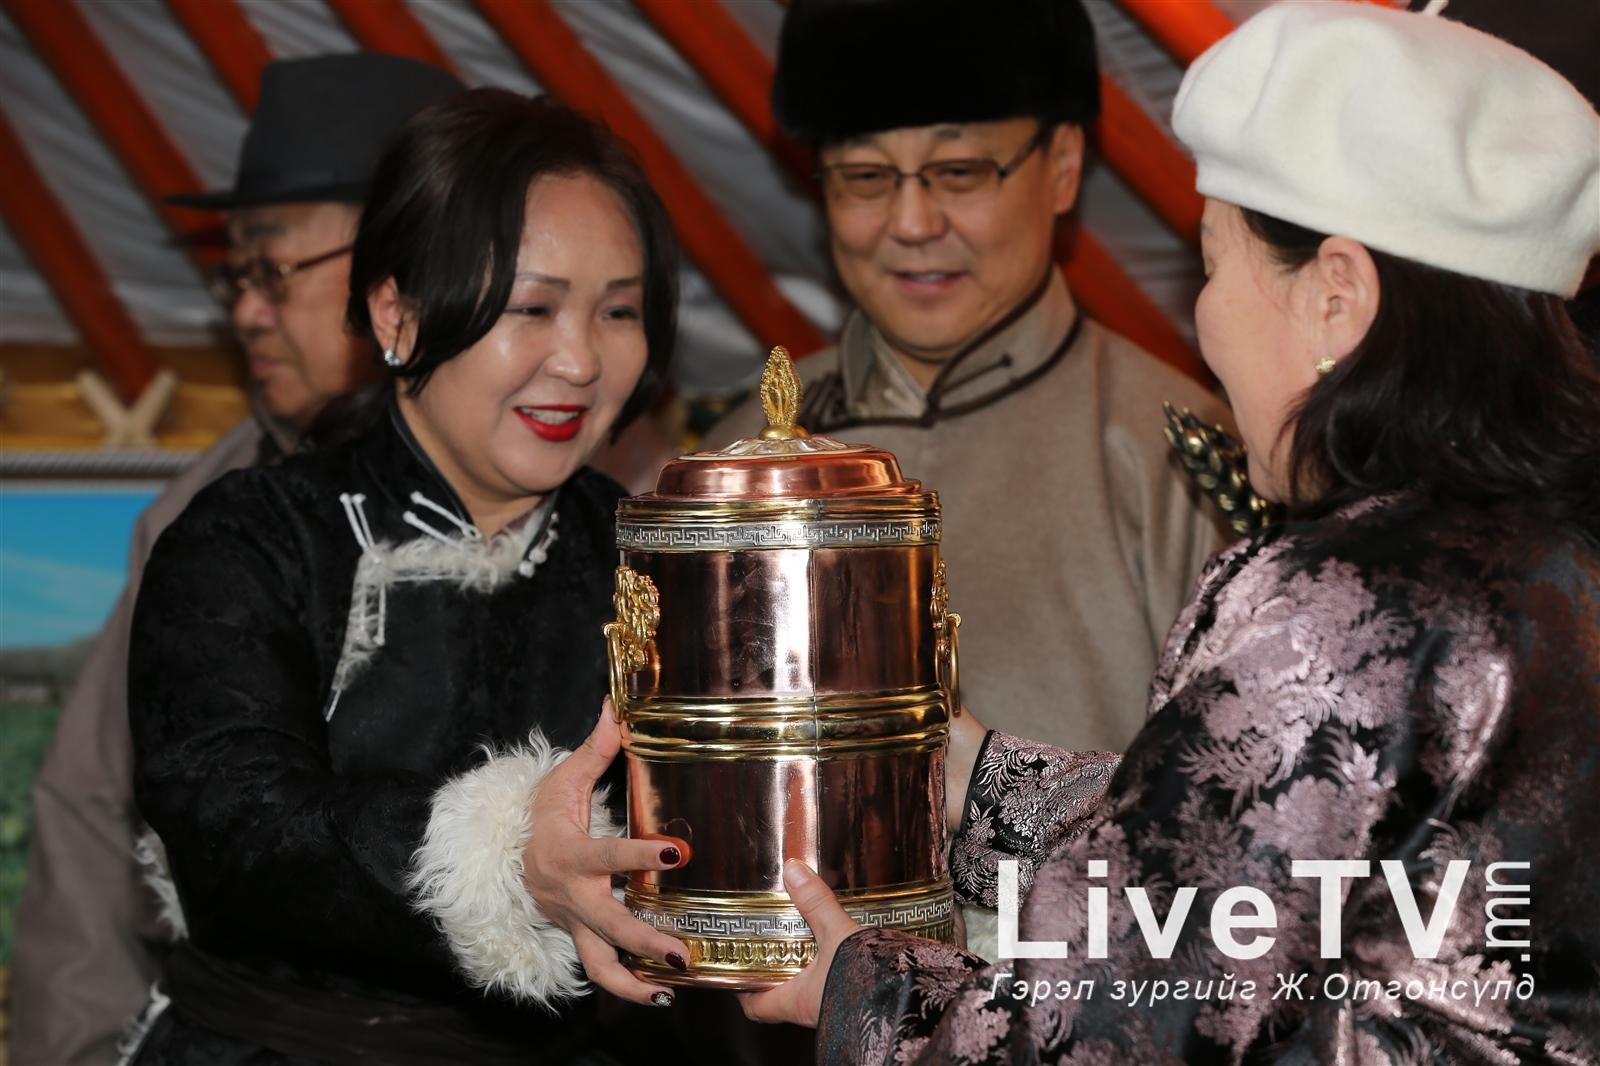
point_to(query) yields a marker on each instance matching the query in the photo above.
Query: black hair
(1466, 390)
(445, 213)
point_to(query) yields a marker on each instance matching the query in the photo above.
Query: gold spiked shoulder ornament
(1216, 462)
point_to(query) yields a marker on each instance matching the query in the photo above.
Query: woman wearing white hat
(1359, 824)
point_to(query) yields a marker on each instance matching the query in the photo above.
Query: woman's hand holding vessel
(799, 999)
(966, 739)
(568, 872)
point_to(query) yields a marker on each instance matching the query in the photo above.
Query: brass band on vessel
(679, 728)
(750, 940)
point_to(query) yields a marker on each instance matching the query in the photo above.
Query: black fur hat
(850, 67)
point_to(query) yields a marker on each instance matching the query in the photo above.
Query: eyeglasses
(228, 281)
(946, 180)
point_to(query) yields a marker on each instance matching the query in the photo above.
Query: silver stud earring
(1325, 366)
(391, 357)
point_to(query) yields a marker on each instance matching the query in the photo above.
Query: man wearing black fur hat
(950, 140)
(88, 933)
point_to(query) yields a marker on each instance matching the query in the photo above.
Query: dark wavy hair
(1465, 390)
(444, 219)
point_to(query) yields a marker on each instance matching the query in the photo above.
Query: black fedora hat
(321, 125)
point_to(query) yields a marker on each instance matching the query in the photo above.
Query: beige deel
(1071, 533)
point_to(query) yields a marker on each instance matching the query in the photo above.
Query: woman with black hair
(1358, 826)
(356, 676)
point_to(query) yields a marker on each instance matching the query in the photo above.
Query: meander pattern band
(725, 536)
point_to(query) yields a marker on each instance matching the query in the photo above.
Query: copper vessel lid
(784, 461)
(781, 489)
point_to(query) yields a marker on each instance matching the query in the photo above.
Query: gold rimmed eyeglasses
(945, 179)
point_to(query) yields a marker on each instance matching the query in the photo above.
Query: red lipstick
(553, 421)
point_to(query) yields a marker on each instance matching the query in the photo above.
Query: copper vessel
(784, 666)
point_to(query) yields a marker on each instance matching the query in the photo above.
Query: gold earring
(1325, 366)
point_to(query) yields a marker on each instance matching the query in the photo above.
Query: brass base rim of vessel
(737, 976)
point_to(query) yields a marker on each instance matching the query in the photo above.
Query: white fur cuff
(468, 876)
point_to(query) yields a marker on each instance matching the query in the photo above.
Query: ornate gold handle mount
(630, 640)
(947, 639)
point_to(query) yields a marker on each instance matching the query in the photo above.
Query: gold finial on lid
(780, 397)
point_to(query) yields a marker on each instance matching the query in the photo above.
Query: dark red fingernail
(670, 856)
(676, 962)
(662, 999)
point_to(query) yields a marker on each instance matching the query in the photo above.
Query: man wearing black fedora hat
(89, 933)
(309, 153)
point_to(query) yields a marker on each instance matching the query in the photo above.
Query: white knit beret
(1412, 134)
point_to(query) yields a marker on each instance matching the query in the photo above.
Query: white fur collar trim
(471, 561)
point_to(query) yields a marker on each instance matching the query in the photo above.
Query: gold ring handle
(952, 664)
(947, 639)
(630, 640)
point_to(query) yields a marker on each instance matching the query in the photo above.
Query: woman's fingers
(612, 921)
(600, 962)
(968, 727)
(829, 921)
(621, 855)
(576, 874)
(565, 870)
(567, 792)
(966, 741)
(799, 1000)
(594, 755)
(565, 795)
